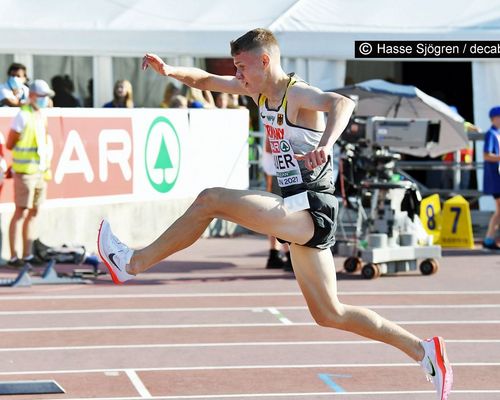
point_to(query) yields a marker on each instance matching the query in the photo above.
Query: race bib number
(287, 167)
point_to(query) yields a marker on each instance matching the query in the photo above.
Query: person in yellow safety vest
(30, 166)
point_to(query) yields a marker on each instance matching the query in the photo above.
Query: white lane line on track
(241, 294)
(147, 296)
(290, 395)
(138, 384)
(281, 317)
(204, 326)
(225, 309)
(224, 344)
(238, 367)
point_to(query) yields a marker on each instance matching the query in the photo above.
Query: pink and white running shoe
(114, 253)
(437, 367)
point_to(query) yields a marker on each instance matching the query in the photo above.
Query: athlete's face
(250, 70)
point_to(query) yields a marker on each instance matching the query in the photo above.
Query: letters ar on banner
(139, 154)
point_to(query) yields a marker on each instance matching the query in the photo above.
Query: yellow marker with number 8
(430, 215)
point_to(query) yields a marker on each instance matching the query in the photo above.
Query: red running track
(213, 323)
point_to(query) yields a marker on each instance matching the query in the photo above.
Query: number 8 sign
(430, 215)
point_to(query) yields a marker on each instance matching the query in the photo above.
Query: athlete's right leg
(261, 212)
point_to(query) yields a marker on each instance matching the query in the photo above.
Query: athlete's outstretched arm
(194, 77)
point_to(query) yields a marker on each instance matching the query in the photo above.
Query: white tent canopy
(305, 28)
(316, 36)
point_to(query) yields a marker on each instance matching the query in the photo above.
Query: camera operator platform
(387, 238)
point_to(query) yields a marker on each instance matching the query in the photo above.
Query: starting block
(48, 277)
(87, 272)
(22, 280)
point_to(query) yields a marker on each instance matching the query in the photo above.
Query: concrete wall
(136, 224)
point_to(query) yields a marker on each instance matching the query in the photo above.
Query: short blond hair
(259, 38)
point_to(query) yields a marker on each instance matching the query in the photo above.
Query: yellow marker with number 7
(456, 229)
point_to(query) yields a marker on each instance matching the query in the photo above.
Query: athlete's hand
(314, 158)
(155, 62)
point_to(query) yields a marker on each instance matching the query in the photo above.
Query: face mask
(42, 102)
(15, 82)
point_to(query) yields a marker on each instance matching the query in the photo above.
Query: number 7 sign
(456, 229)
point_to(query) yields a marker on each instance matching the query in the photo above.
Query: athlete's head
(254, 54)
(256, 39)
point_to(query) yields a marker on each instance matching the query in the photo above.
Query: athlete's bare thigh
(263, 212)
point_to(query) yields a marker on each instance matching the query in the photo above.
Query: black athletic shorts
(324, 210)
(275, 188)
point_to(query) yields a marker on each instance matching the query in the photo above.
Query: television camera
(372, 145)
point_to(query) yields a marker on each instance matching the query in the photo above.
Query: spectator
(243, 101)
(122, 95)
(221, 99)
(199, 98)
(178, 101)
(64, 87)
(492, 175)
(226, 100)
(89, 100)
(30, 164)
(170, 92)
(14, 92)
(233, 101)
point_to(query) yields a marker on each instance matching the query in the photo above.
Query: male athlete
(292, 114)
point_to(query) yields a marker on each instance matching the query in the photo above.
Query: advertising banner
(103, 155)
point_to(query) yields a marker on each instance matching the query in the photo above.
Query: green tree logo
(284, 146)
(162, 146)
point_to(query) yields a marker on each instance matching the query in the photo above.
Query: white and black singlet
(301, 188)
